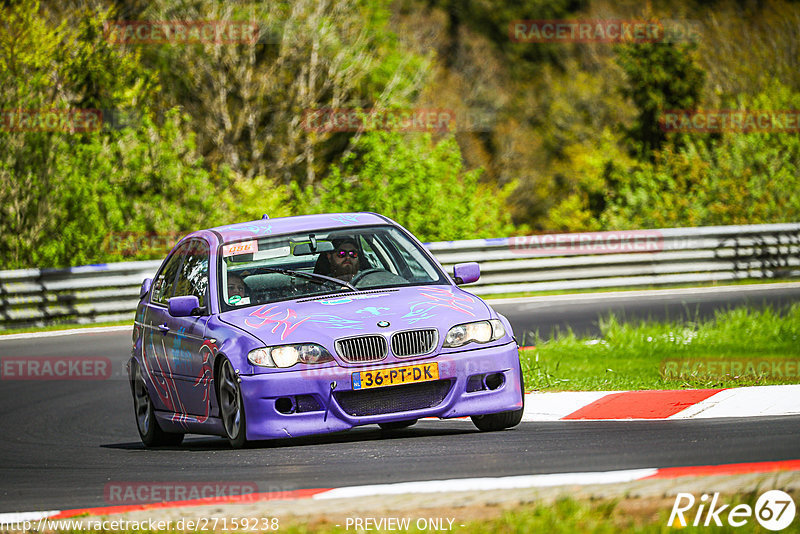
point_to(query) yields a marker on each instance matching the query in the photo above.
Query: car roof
(298, 223)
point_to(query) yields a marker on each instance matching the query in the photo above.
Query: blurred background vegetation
(549, 137)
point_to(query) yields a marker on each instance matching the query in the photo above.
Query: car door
(189, 364)
(156, 322)
(156, 318)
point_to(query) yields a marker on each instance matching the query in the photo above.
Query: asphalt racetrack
(64, 442)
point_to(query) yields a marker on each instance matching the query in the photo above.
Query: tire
(397, 425)
(146, 423)
(500, 421)
(231, 407)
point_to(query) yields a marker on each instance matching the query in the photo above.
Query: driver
(343, 259)
(342, 262)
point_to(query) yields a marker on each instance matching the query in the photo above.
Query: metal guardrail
(109, 292)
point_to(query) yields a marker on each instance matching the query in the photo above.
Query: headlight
(288, 355)
(479, 332)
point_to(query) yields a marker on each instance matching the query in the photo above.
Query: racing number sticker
(245, 247)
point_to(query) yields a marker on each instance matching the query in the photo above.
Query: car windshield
(275, 268)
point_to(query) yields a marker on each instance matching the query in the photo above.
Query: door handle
(164, 328)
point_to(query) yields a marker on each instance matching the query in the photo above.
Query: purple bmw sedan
(302, 325)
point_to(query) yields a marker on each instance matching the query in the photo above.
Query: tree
(65, 190)
(662, 76)
(248, 101)
(418, 182)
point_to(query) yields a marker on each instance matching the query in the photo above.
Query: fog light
(495, 381)
(284, 405)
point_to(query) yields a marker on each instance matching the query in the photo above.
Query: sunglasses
(345, 253)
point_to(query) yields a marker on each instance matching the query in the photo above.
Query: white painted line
(448, 485)
(484, 484)
(18, 517)
(71, 332)
(756, 401)
(641, 293)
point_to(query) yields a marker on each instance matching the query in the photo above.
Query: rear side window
(193, 275)
(163, 286)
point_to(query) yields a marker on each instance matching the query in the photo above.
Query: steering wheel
(362, 274)
(381, 277)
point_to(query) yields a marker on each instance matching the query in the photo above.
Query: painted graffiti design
(337, 322)
(165, 385)
(252, 229)
(436, 297)
(344, 219)
(286, 318)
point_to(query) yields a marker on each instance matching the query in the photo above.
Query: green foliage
(745, 47)
(215, 133)
(492, 18)
(731, 178)
(64, 192)
(417, 182)
(599, 170)
(247, 101)
(661, 77)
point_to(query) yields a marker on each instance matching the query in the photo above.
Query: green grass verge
(739, 347)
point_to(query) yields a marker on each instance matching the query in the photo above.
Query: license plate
(395, 376)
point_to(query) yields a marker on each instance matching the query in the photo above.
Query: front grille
(362, 348)
(307, 403)
(414, 342)
(393, 399)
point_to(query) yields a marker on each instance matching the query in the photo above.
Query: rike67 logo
(774, 510)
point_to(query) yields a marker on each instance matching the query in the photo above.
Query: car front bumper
(475, 381)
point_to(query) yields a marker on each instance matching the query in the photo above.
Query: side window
(375, 255)
(193, 276)
(416, 270)
(162, 287)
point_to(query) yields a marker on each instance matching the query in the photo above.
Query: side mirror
(466, 273)
(183, 306)
(145, 289)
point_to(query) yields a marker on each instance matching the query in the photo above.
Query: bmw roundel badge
(383, 324)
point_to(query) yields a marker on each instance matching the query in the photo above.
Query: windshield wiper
(314, 277)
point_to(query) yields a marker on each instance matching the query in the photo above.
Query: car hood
(324, 319)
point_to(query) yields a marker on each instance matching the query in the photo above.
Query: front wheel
(497, 421)
(149, 431)
(500, 421)
(231, 406)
